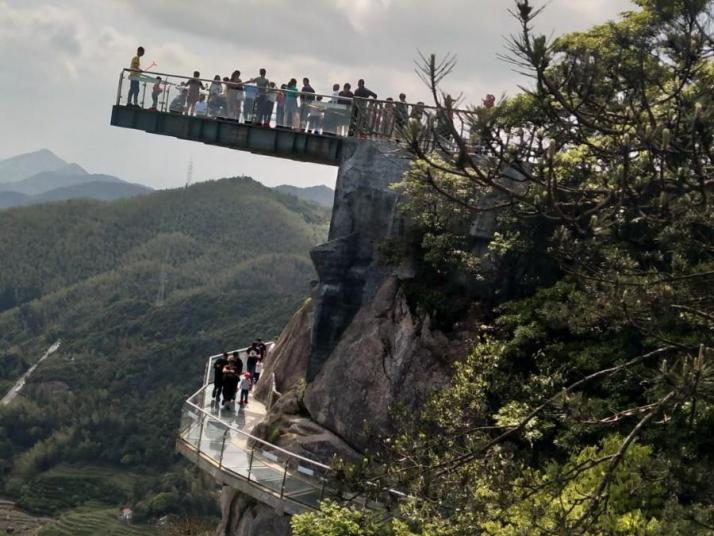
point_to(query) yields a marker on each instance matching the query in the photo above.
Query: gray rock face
(242, 516)
(288, 359)
(386, 357)
(364, 214)
(289, 426)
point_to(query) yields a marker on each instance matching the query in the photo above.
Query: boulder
(290, 427)
(242, 516)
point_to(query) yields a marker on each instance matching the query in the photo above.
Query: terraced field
(16, 522)
(65, 487)
(93, 521)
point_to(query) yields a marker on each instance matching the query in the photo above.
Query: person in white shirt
(201, 107)
(245, 384)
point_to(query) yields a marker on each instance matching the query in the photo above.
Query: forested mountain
(233, 255)
(41, 176)
(99, 190)
(320, 194)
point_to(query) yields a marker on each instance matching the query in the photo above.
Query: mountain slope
(233, 258)
(51, 180)
(101, 191)
(26, 165)
(322, 195)
(42, 177)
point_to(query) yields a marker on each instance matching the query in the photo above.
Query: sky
(60, 62)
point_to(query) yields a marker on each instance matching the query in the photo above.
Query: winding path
(15, 389)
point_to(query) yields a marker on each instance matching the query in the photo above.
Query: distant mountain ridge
(320, 194)
(41, 177)
(26, 165)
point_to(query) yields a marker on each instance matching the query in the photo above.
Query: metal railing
(214, 436)
(289, 108)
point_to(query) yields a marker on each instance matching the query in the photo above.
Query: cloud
(50, 28)
(61, 61)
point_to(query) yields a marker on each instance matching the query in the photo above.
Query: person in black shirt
(230, 384)
(305, 101)
(402, 112)
(362, 92)
(260, 346)
(218, 365)
(253, 357)
(347, 94)
(237, 362)
(362, 112)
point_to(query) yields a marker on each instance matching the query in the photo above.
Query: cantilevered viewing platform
(295, 145)
(282, 123)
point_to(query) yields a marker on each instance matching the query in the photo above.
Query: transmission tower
(164, 275)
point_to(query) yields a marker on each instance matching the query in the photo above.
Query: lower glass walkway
(220, 442)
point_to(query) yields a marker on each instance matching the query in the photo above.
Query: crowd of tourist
(229, 378)
(260, 101)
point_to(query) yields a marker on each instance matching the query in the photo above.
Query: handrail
(419, 105)
(317, 113)
(252, 437)
(320, 482)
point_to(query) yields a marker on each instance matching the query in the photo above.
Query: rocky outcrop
(386, 358)
(288, 425)
(289, 357)
(242, 516)
(348, 265)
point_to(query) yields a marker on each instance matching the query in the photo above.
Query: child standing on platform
(245, 385)
(155, 92)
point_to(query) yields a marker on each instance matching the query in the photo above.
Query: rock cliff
(355, 350)
(348, 264)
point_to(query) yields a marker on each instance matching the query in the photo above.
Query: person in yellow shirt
(134, 77)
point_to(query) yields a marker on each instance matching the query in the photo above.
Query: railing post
(121, 83)
(200, 436)
(165, 103)
(250, 462)
(143, 96)
(223, 448)
(322, 489)
(285, 476)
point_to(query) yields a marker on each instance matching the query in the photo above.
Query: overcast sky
(61, 61)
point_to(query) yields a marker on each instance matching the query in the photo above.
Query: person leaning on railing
(362, 112)
(261, 94)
